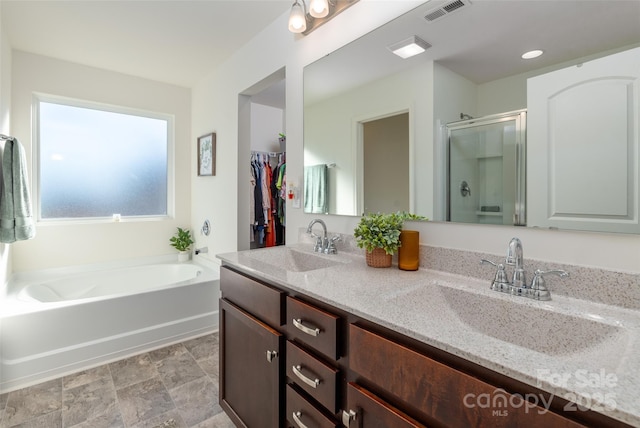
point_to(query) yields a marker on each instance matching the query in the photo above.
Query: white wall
(215, 106)
(453, 94)
(404, 91)
(70, 244)
(5, 83)
(510, 93)
(266, 125)
(5, 128)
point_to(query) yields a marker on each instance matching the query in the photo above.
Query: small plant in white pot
(182, 242)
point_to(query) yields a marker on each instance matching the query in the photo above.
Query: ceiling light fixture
(407, 48)
(320, 11)
(532, 54)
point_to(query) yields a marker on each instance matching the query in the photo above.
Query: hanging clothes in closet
(268, 193)
(278, 193)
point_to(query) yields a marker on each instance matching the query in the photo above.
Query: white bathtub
(55, 323)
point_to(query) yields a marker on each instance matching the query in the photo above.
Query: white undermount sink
(293, 260)
(514, 321)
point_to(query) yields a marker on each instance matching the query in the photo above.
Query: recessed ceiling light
(532, 54)
(407, 48)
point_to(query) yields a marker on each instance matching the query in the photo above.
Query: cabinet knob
(348, 417)
(271, 355)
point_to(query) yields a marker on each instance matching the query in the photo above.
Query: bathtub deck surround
(171, 387)
(81, 318)
(114, 283)
(454, 310)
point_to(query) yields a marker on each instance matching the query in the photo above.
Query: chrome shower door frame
(519, 117)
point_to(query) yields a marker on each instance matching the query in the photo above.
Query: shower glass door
(486, 170)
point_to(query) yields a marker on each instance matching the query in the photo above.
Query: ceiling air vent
(445, 10)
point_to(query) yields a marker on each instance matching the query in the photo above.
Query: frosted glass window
(95, 163)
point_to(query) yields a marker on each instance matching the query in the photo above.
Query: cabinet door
(582, 150)
(250, 368)
(366, 410)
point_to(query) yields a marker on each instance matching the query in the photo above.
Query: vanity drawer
(373, 412)
(312, 375)
(313, 326)
(442, 393)
(262, 301)
(301, 413)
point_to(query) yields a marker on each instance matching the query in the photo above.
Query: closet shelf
(490, 213)
(490, 156)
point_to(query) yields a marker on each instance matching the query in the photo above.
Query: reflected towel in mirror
(315, 189)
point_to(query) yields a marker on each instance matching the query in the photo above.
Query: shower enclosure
(486, 169)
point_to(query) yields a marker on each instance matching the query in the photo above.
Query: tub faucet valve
(202, 250)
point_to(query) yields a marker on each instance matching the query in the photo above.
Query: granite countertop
(583, 351)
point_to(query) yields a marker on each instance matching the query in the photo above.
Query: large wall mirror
(375, 125)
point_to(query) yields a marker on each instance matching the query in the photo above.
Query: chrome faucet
(323, 244)
(320, 240)
(516, 259)
(518, 285)
(202, 250)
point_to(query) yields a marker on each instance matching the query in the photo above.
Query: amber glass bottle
(409, 251)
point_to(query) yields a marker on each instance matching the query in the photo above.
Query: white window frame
(47, 98)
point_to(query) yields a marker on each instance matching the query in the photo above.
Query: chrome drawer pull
(313, 383)
(310, 331)
(296, 418)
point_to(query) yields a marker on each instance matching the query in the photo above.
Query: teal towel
(315, 189)
(16, 222)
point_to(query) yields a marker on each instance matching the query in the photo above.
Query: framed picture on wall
(207, 154)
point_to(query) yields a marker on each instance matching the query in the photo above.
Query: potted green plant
(379, 235)
(404, 216)
(182, 242)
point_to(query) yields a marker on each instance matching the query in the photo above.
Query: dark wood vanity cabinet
(445, 395)
(314, 379)
(250, 380)
(287, 360)
(251, 351)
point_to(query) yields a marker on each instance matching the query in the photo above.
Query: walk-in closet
(262, 163)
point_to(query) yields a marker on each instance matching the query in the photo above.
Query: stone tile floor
(172, 387)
